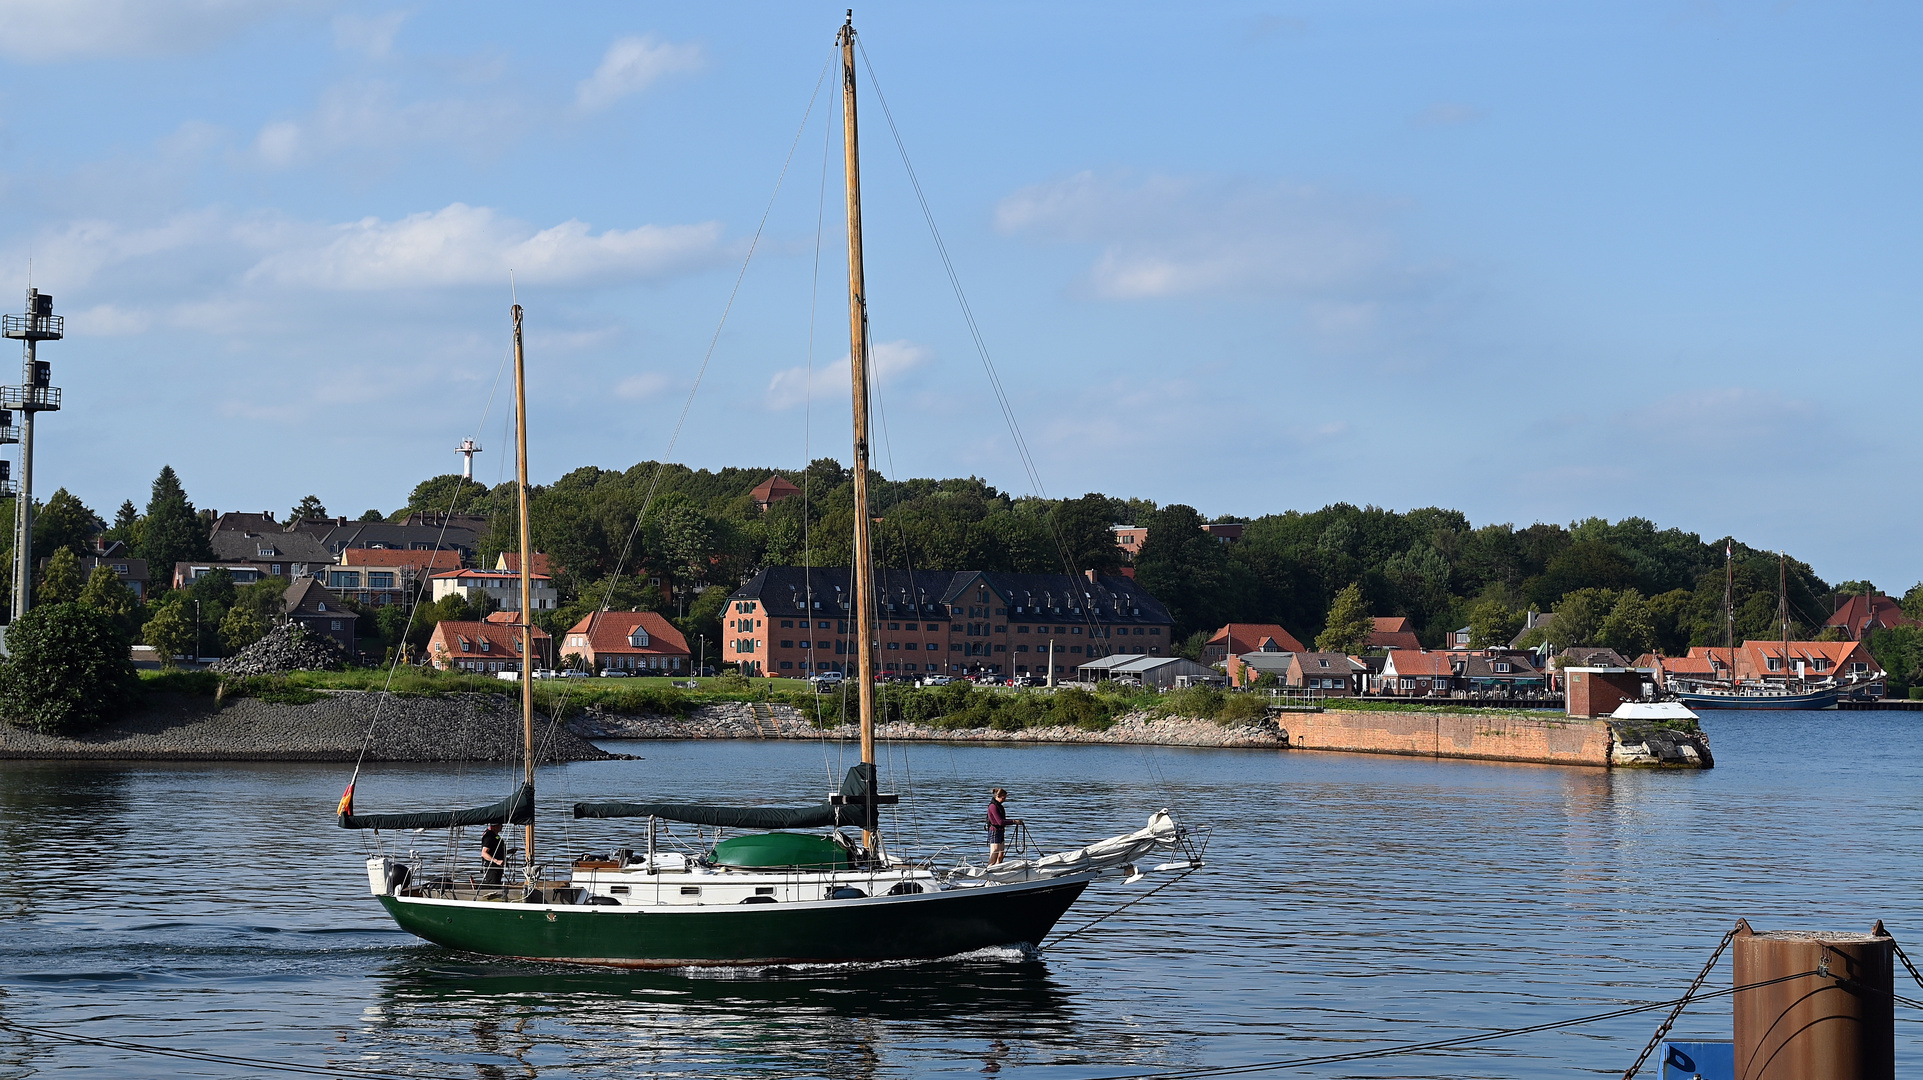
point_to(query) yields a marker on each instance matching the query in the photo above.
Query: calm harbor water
(1350, 902)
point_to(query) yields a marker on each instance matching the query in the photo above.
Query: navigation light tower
(35, 394)
(467, 450)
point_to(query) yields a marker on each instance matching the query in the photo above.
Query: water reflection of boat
(964, 995)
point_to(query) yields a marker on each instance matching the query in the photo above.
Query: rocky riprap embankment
(285, 648)
(460, 727)
(734, 720)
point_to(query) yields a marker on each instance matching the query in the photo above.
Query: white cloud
(641, 387)
(1171, 236)
(1728, 418)
(77, 253)
(633, 64)
(467, 245)
(891, 359)
(76, 29)
(367, 115)
(371, 35)
(109, 320)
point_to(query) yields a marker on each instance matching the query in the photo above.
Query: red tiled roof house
(482, 647)
(1414, 673)
(1392, 632)
(631, 641)
(772, 490)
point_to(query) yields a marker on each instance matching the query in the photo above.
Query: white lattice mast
(467, 450)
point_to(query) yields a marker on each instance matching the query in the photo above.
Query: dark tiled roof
(283, 546)
(381, 534)
(308, 598)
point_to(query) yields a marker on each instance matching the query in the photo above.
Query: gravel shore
(174, 727)
(487, 727)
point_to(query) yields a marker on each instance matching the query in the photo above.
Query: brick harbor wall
(1488, 738)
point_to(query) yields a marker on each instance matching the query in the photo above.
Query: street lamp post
(196, 631)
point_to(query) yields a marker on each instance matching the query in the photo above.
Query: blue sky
(1535, 262)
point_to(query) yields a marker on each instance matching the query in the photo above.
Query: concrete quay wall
(1545, 740)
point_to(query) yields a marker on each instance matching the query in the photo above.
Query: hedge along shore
(736, 720)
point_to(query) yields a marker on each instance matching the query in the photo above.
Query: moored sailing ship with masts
(775, 895)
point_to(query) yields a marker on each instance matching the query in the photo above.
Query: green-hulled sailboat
(774, 896)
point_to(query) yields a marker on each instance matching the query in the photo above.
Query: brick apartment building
(791, 621)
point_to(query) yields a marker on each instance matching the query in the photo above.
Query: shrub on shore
(67, 669)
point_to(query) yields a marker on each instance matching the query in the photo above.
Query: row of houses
(628, 642)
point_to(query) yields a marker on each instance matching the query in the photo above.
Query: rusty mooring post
(1836, 1019)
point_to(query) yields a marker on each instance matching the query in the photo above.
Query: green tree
(308, 509)
(1913, 601)
(172, 531)
(241, 628)
(1579, 618)
(60, 583)
(64, 522)
(449, 492)
(110, 596)
(1493, 622)
(126, 526)
(1630, 628)
(371, 515)
(170, 630)
(67, 669)
(1349, 624)
(1081, 527)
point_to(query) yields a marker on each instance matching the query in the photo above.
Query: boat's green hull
(925, 926)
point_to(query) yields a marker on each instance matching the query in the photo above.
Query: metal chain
(1903, 956)
(1670, 1020)
(1085, 927)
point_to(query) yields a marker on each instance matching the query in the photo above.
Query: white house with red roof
(499, 586)
(1407, 672)
(638, 642)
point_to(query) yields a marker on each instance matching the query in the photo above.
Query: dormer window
(1502, 666)
(639, 638)
(486, 645)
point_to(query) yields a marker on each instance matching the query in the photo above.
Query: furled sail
(516, 809)
(818, 816)
(854, 787)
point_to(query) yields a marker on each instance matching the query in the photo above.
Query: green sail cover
(818, 816)
(516, 809)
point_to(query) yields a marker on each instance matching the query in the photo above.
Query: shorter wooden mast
(527, 624)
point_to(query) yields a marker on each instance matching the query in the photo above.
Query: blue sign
(1705, 1059)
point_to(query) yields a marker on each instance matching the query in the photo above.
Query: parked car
(575, 673)
(826, 679)
(613, 673)
(1024, 680)
(937, 680)
(543, 673)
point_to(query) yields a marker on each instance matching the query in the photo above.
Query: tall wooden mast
(527, 606)
(864, 565)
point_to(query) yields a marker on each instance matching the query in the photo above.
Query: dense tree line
(663, 536)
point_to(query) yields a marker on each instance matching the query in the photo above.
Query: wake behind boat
(765, 897)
